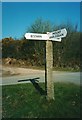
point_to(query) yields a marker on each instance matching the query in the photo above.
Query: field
(24, 101)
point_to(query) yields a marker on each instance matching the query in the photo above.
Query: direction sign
(57, 34)
(55, 39)
(36, 36)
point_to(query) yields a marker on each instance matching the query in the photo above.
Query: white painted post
(49, 69)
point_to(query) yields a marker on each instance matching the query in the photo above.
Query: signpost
(49, 37)
(37, 36)
(57, 34)
(49, 71)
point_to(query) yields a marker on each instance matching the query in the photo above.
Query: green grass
(24, 101)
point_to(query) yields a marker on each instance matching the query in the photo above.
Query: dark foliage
(65, 53)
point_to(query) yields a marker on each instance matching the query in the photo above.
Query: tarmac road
(73, 77)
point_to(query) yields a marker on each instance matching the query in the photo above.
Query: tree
(39, 26)
(66, 53)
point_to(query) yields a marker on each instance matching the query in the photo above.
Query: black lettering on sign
(57, 35)
(57, 32)
(34, 36)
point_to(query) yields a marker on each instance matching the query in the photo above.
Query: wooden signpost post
(49, 37)
(48, 70)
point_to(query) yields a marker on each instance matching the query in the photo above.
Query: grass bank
(24, 101)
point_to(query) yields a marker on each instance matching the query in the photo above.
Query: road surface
(23, 73)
